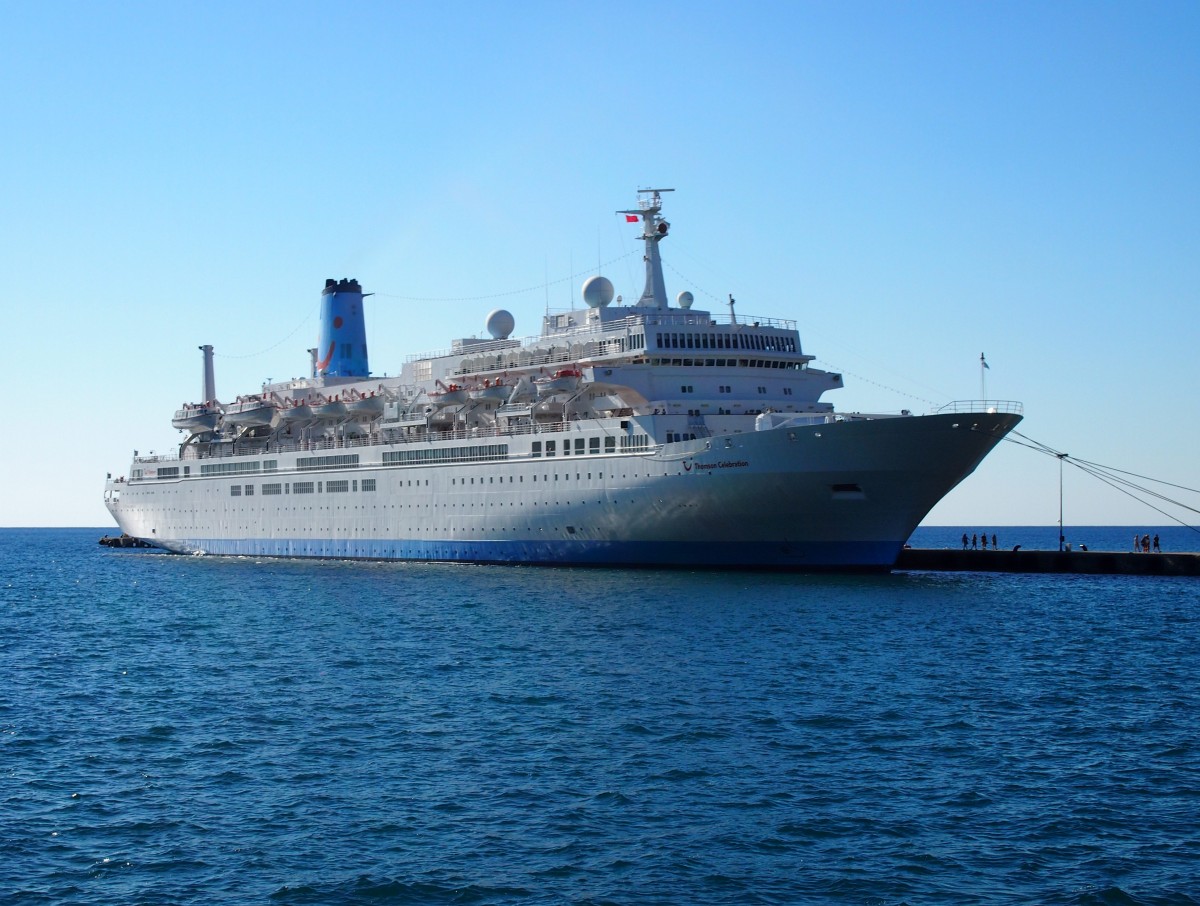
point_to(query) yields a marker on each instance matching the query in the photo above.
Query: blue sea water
(203, 730)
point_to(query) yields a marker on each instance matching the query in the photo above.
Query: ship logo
(324, 363)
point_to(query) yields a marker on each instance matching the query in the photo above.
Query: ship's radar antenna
(654, 230)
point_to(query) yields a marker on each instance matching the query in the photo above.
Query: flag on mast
(983, 362)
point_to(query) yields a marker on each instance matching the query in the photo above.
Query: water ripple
(196, 730)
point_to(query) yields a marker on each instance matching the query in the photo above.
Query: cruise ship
(643, 434)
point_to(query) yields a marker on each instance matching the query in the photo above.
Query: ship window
(235, 490)
(610, 444)
(302, 487)
(249, 490)
(537, 449)
(579, 446)
(550, 448)
(691, 341)
(187, 470)
(337, 487)
(272, 489)
(368, 484)
(593, 445)
(270, 465)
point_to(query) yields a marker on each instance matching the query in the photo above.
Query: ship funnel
(210, 381)
(342, 339)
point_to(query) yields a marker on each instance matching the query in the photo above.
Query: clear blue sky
(913, 183)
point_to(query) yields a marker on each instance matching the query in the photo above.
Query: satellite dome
(500, 324)
(685, 299)
(597, 292)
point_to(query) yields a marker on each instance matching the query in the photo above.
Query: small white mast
(654, 230)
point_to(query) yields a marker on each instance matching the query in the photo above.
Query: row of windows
(447, 454)
(766, 342)
(305, 487)
(517, 479)
(727, 363)
(229, 468)
(333, 461)
(593, 447)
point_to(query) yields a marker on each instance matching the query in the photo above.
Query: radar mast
(654, 230)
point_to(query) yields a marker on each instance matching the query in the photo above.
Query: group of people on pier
(975, 541)
(1141, 544)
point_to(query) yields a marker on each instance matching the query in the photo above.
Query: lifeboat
(196, 418)
(365, 405)
(448, 395)
(295, 411)
(329, 408)
(565, 380)
(250, 411)
(494, 392)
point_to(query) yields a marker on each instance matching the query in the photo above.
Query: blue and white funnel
(342, 340)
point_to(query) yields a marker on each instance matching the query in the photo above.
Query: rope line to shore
(1111, 476)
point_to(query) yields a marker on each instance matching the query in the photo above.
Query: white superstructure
(627, 435)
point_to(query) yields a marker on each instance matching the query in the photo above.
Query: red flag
(631, 218)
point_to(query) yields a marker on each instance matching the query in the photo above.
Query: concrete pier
(1086, 562)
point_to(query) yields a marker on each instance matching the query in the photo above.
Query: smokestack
(342, 338)
(210, 381)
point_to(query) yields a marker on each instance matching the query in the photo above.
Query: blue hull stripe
(773, 555)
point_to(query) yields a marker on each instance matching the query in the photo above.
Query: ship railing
(378, 438)
(980, 407)
(601, 333)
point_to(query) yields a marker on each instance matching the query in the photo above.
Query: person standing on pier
(1157, 549)
(964, 540)
(974, 542)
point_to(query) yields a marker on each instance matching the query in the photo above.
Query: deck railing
(989, 407)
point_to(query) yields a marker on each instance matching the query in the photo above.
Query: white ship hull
(845, 494)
